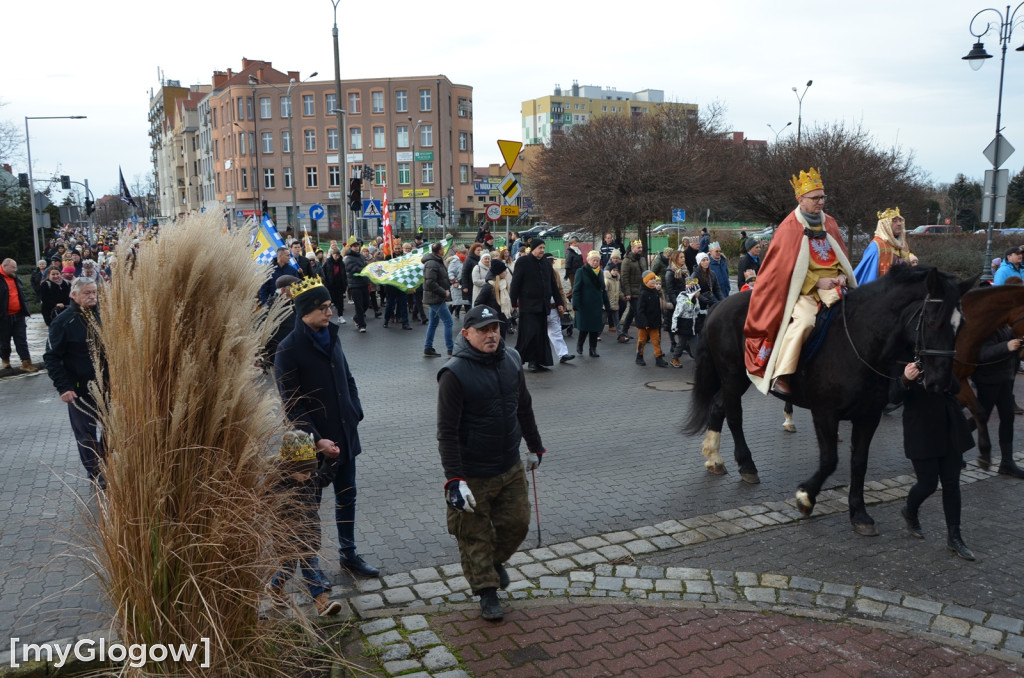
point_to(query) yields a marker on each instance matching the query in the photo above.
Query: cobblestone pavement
(617, 463)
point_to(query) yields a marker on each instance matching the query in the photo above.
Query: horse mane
(902, 276)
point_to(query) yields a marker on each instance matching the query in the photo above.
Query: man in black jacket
(358, 286)
(532, 290)
(436, 293)
(321, 398)
(301, 262)
(484, 410)
(751, 261)
(69, 363)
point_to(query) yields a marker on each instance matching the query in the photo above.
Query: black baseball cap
(1012, 250)
(481, 316)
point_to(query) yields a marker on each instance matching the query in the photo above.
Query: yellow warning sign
(510, 152)
(509, 211)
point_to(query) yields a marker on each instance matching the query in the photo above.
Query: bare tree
(619, 171)
(11, 140)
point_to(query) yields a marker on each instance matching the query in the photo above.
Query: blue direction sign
(371, 209)
(240, 214)
(678, 215)
(135, 218)
(316, 212)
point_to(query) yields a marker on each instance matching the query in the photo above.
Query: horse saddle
(822, 321)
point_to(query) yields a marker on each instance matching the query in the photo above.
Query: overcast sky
(895, 67)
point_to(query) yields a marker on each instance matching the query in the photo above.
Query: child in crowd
(648, 319)
(685, 320)
(303, 478)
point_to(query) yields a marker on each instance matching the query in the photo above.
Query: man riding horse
(887, 248)
(805, 268)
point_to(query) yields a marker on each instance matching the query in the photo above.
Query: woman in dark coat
(935, 437)
(472, 259)
(54, 294)
(997, 368)
(336, 280)
(590, 301)
(494, 292)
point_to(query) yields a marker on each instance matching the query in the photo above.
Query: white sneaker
(341, 321)
(362, 329)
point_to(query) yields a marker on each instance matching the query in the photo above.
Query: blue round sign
(316, 212)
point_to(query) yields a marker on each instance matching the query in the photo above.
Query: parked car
(935, 229)
(665, 229)
(534, 230)
(551, 232)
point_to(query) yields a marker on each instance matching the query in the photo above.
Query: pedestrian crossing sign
(371, 209)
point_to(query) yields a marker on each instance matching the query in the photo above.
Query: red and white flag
(385, 215)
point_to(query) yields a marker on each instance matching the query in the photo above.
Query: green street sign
(424, 156)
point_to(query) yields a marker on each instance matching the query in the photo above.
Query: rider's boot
(1007, 466)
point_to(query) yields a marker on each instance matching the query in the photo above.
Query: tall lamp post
(343, 160)
(780, 131)
(1000, 148)
(291, 137)
(412, 171)
(31, 185)
(800, 109)
(258, 179)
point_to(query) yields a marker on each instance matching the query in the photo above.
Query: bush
(961, 254)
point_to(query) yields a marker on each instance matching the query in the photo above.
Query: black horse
(908, 314)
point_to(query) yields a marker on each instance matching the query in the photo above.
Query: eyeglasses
(817, 198)
(324, 308)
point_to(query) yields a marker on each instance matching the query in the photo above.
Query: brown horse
(985, 310)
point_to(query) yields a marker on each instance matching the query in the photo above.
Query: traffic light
(90, 207)
(437, 208)
(263, 207)
(355, 195)
(23, 180)
(65, 182)
(368, 174)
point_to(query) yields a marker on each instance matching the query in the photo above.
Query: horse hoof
(865, 529)
(789, 428)
(717, 469)
(803, 502)
(751, 478)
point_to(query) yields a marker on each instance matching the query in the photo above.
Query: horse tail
(707, 385)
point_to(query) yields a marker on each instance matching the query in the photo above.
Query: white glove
(460, 497)
(533, 459)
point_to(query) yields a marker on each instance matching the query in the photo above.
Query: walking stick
(533, 472)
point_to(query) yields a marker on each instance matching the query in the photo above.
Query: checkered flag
(404, 272)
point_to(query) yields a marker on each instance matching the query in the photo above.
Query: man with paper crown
(805, 267)
(888, 247)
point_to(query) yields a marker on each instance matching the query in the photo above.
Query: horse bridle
(920, 350)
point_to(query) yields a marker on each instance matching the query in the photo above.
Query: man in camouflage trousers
(484, 410)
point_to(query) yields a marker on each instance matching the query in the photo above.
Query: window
(402, 136)
(241, 108)
(426, 136)
(308, 107)
(463, 174)
(213, 112)
(268, 178)
(241, 143)
(427, 172)
(288, 183)
(218, 182)
(330, 102)
(401, 101)
(216, 149)
(380, 174)
(286, 107)
(248, 108)
(332, 139)
(354, 103)
(286, 142)
(265, 108)
(355, 138)
(268, 141)
(424, 100)
(403, 173)
(378, 137)
(334, 176)
(245, 180)
(376, 102)
(311, 181)
(309, 140)
(463, 141)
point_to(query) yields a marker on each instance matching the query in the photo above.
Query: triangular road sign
(510, 152)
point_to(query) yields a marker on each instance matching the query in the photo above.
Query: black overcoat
(589, 300)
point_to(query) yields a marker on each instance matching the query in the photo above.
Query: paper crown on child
(890, 213)
(297, 452)
(807, 181)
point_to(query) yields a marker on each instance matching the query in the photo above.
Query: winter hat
(667, 252)
(751, 243)
(701, 257)
(650, 277)
(497, 268)
(68, 271)
(309, 293)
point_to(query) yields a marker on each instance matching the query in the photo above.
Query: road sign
(135, 218)
(316, 212)
(239, 214)
(493, 211)
(371, 209)
(678, 215)
(510, 188)
(998, 151)
(993, 204)
(510, 152)
(509, 211)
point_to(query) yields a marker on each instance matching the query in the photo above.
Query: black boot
(640, 360)
(1007, 466)
(913, 524)
(579, 345)
(490, 606)
(956, 543)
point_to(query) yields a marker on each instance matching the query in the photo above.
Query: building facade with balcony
(162, 149)
(262, 133)
(557, 113)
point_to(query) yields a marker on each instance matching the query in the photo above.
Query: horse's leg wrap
(710, 450)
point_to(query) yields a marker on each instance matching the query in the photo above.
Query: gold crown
(297, 446)
(889, 213)
(305, 285)
(636, 242)
(807, 182)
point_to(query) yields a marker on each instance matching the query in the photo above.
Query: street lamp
(783, 129)
(31, 185)
(258, 179)
(412, 144)
(291, 136)
(976, 59)
(800, 109)
(342, 159)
